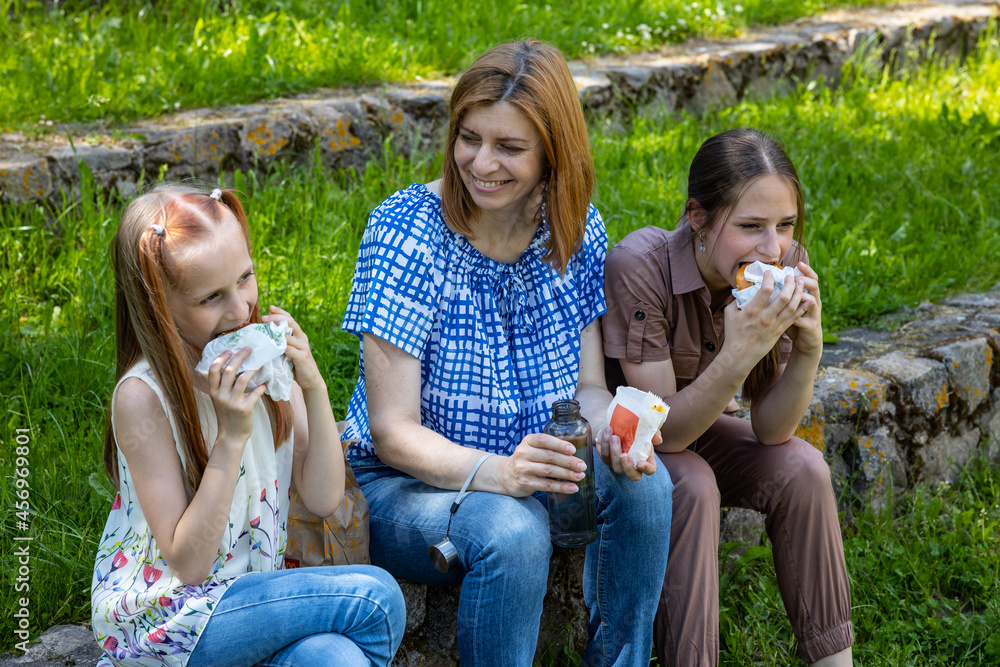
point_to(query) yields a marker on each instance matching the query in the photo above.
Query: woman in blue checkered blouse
(476, 299)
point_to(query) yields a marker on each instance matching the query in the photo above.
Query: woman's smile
(488, 186)
(500, 156)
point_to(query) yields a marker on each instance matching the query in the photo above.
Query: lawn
(899, 173)
(113, 62)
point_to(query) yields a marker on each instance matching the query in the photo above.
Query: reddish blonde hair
(534, 78)
(144, 326)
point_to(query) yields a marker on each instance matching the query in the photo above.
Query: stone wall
(351, 127)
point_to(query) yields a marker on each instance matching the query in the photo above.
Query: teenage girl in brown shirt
(670, 305)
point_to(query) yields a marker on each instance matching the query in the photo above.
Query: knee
(516, 535)
(383, 591)
(808, 471)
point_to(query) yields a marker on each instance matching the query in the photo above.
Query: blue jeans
(351, 615)
(503, 549)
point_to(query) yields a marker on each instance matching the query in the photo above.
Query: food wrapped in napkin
(753, 274)
(635, 416)
(267, 344)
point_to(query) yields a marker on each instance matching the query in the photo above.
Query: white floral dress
(142, 613)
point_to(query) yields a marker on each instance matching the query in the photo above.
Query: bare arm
(188, 533)
(698, 405)
(318, 460)
(392, 379)
(778, 413)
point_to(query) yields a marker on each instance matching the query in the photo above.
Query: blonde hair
(144, 326)
(534, 78)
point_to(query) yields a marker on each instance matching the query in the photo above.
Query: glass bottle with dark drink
(573, 517)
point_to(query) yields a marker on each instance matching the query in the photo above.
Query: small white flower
(738, 8)
(605, 26)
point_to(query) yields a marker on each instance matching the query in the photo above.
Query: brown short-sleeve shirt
(659, 306)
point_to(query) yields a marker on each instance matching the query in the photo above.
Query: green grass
(117, 61)
(925, 583)
(901, 207)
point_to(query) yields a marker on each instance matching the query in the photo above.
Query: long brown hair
(534, 78)
(144, 326)
(723, 169)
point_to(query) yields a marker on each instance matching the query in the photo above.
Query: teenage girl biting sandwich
(670, 308)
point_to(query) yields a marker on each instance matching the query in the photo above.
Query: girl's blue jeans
(503, 549)
(350, 615)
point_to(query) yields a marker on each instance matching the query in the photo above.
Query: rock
(564, 616)
(112, 167)
(715, 91)
(849, 398)
(741, 525)
(60, 645)
(922, 383)
(415, 596)
(968, 364)
(988, 423)
(203, 151)
(266, 137)
(879, 469)
(25, 178)
(946, 455)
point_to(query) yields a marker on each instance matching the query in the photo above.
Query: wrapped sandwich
(267, 343)
(635, 416)
(751, 275)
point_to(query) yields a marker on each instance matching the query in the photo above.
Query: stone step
(352, 127)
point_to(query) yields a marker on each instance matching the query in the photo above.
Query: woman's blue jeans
(350, 615)
(503, 550)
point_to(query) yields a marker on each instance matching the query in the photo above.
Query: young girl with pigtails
(190, 568)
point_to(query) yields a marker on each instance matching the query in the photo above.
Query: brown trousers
(790, 483)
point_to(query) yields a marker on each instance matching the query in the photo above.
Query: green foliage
(925, 583)
(117, 61)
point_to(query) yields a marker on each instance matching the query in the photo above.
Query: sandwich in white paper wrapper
(267, 343)
(753, 273)
(635, 416)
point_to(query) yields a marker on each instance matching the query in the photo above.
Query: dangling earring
(701, 237)
(542, 210)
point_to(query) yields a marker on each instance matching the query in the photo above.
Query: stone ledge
(353, 127)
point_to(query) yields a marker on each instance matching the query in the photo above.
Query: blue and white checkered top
(498, 343)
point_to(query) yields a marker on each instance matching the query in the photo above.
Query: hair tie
(157, 229)
(216, 194)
